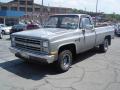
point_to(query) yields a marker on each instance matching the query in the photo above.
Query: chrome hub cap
(66, 60)
(106, 44)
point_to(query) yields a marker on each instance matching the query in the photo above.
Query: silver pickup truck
(62, 37)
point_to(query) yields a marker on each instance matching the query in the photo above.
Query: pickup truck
(63, 36)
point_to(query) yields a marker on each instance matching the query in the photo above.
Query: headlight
(45, 44)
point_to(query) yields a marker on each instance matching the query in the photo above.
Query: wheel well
(109, 39)
(70, 47)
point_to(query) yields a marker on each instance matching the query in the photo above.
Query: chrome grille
(24, 47)
(26, 40)
(28, 44)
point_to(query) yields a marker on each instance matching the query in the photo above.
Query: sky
(107, 6)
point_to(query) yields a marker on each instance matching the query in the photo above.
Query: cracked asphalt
(91, 70)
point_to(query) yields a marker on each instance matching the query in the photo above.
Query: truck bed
(103, 31)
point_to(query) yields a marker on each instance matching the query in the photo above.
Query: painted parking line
(3, 61)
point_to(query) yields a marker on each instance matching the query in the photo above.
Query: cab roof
(70, 14)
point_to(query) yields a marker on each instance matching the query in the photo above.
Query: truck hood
(47, 33)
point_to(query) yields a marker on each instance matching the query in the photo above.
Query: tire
(3, 32)
(104, 47)
(1, 35)
(64, 61)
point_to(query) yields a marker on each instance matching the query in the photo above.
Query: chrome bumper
(27, 55)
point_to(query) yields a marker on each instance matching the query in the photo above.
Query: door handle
(77, 40)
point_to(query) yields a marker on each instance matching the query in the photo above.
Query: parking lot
(91, 70)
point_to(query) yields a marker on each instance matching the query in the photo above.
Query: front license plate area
(25, 55)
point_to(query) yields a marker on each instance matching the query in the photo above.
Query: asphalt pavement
(91, 70)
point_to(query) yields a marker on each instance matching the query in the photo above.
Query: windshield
(63, 21)
(19, 26)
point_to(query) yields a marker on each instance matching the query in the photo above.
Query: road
(91, 70)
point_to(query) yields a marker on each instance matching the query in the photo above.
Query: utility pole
(42, 7)
(33, 9)
(42, 2)
(96, 12)
(48, 9)
(26, 6)
(42, 13)
(18, 5)
(96, 6)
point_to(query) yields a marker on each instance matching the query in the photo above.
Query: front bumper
(27, 55)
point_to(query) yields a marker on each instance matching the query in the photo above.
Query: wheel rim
(106, 44)
(66, 60)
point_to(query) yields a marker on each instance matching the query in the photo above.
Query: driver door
(88, 32)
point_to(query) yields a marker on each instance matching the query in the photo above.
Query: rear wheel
(104, 47)
(64, 60)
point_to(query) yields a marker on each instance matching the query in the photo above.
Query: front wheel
(104, 47)
(64, 60)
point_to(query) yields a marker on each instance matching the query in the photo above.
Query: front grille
(28, 44)
(27, 47)
(27, 40)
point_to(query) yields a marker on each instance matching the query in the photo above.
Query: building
(9, 17)
(32, 11)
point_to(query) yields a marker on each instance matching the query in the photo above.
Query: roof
(10, 13)
(70, 14)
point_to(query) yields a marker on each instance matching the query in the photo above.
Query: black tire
(3, 32)
(104, 47)
(64, 61)
(1, 35)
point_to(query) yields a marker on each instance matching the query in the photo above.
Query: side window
(69, 22)
(84, 22)
(52, 22)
